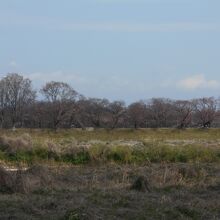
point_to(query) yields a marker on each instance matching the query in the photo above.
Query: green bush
(119, 154)
(21, 156)
(76, 158)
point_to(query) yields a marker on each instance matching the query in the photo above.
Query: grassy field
(110, 174)
(103, 146)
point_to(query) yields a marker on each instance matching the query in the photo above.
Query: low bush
(25, 181)
(141, 184)
(97, 152)
(6, 181)
(122, 154)
(15, 144)
(75, 155)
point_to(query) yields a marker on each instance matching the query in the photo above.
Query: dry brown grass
(101, 189)
(177, 191)
(141, 184)
(6, 180)
(25, 181)
(13, 144)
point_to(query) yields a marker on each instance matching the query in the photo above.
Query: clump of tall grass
(16, 148)
(75, 155)
(6, 180)
(13, 144)
(191, 153)
(154, 153)
(25, 181)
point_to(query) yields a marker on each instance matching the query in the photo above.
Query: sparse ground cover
(119, 174)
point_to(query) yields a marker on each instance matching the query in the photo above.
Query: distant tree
(62, 107)
(40, 115)
(184, 111)
(3, 103)
(91, 112)
(58, 92)
(60, 97)
(137, 114)
(116, 111)
(160, 112)
(81, 116)
(205, 111)
(16, 95)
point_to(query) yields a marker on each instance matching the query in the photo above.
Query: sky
(116, 49)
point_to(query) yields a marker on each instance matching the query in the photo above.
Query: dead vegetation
(151, 191)
(13, 144)
(24, 181)
(6, 180)
(141, 184)
(115, 175)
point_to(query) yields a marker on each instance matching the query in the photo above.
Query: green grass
(118, 134)
(82, 147)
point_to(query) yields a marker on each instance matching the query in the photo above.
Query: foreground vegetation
(110, 174)
(176, 191)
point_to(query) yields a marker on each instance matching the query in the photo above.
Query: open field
(102, 146)
(110, 174)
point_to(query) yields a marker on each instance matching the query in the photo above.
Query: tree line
(60, 106)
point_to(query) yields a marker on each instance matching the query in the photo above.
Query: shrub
(21, 181)
(11, 182)
(77, 214)
(76, 155)
(12, 145)
(119, 154)
(6, 181)
(4, 143)
(46, 154)
(98, 152)
(141, 184)
(43, 175)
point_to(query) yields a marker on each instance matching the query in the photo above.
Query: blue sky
(118, 49)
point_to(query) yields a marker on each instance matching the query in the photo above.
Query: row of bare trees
(60, 106)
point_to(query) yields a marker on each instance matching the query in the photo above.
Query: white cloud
(198, 82)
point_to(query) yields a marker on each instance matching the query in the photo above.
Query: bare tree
(3, 102)
(96, 111)
(58, 92)
(17, 94)
(205, 111)
(184, 111)
(116, 112)
(137, 114)
(63, 107)
(60, 97)
(160, 112)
